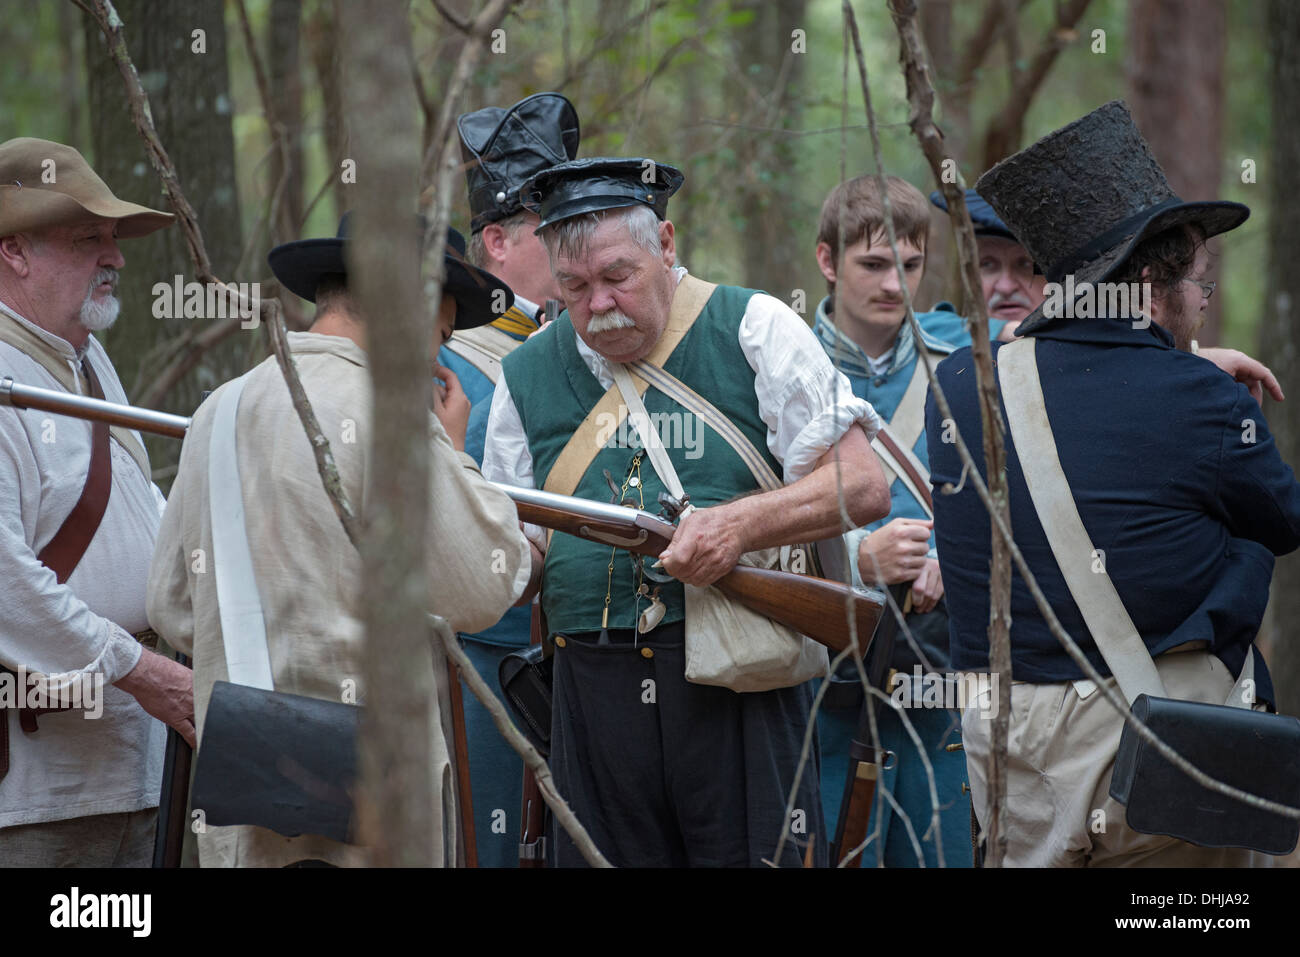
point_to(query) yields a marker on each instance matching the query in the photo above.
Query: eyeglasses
(1207, 288)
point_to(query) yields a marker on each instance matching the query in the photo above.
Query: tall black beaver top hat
(502, 149)
(1082, 198)
(479, 295)
(602, 182)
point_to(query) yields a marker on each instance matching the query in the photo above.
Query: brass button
(559, 641)
(647, 653)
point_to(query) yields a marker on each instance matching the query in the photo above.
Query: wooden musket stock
(814, 607)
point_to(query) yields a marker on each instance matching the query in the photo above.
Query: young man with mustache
(862, 326)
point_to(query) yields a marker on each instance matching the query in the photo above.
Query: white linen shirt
(74, 766)
(805, 403)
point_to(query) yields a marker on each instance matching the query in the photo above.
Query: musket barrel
(596, 511)
(97, 410)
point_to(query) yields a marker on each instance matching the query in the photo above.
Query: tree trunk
(322, 42)
(402, 807)
(71, 39)
(189, 93)
(776, 250)
(282, 63)
(1175, 89)
(940, 269)
(1278, 335)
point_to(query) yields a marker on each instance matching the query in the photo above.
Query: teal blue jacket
(513, 628)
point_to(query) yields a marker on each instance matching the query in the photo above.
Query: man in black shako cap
(664, 771)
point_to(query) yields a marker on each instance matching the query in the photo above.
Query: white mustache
(997, 300)
(107, 274)
(610, 321)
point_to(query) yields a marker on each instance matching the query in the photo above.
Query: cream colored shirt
(73, 766)
(308, 572)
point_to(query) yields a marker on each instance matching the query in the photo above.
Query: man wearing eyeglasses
(1175, 493)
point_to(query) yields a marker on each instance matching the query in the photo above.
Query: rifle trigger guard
(618, 541)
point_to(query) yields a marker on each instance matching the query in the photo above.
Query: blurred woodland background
(750, 98)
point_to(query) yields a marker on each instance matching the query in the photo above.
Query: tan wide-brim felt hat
(29, 201)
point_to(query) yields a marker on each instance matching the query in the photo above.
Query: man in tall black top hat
(1177, 482)
(502, 149)
(666, 771)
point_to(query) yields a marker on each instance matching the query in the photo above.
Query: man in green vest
(662, 771)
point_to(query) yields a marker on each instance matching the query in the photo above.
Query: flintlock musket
(826, 611)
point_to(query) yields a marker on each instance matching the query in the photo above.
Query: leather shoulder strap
(483, 347)
(26, 342)
(63, 552)
(898, 437)
(687, 397)
(574, 459)
(1092, 590)
(899, 461)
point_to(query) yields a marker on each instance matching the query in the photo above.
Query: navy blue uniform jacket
(1178, 482)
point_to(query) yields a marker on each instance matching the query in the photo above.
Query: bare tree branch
(320, 445)
(452, 17)
(477, 32)
(269, 309)
(523, 747)
(110, 24)
(181, 354)
(980, 43)
(1005, 130)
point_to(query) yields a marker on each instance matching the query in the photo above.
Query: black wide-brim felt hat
(599, 183)
(1082, 198)
(480, 296)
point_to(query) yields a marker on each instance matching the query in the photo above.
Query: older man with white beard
(78, 517)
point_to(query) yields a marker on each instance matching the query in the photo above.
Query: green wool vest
(553, 390)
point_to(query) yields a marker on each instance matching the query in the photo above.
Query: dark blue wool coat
(1177, 479)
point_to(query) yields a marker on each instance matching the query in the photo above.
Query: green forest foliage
(706, 85)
